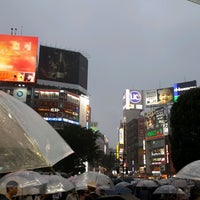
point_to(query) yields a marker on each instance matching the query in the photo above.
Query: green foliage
(83, 142)
(185, 128)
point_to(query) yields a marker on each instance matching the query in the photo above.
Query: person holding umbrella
(92, 195)
(11, 189)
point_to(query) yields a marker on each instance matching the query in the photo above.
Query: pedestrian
(72, 195)
(11, 191)
(92, 195)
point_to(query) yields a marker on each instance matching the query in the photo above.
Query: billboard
(18, 58)
(62, 66)
(156, 122)
(57, 105)
(133, 100)
(160, 96)
(181, 88)
(85, 111)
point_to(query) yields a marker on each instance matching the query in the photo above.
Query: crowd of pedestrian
(92, 192)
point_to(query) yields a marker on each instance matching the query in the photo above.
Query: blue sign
(20, 93)
(135, 97)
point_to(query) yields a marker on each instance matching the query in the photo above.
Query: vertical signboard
(84, 111)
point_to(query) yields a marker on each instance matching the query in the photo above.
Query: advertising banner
(159, 96)
(62, 66)
(133, 99)
(181, 88)
(18, 58)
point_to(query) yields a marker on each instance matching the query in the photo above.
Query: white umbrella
(27, 140)
(93, 178)
(190, 171)
(28, 182)
(57, 183)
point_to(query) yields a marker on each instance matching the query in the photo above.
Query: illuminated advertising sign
(162, 119)
(155, 134)
(133, 100)
(159, 96)
(181, 88)
(121, 136)
(85, 111)
(156, 122)
(50, 106)
(18, 58)
(150, 120)
(20, 94)
(62, 66)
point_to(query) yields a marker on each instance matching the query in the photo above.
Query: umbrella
(57, 183)
(27, 140)
(146, 183)
(190, 171)
(96, 179)
(166, 189)
(123, 190)
(117, 180)
(181, 183)
(123, 183)
(29, 182)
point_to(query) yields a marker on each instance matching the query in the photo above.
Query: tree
(83, 143)
(185, 128)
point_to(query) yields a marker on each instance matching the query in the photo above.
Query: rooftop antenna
(11, 31)
(15, 31)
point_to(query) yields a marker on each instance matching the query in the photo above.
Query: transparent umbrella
(27, 140)
(190, 171)
(94, 178)
(29, 182)
(57, 183)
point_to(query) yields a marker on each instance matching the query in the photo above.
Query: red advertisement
(18, 58)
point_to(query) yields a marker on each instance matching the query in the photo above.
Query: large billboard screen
(160, 96)
(62, 66)
(181, 88)
(18, 58)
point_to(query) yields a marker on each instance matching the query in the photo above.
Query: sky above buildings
(130, 44)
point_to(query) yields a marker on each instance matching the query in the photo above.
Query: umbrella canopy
(146, 183)
(181, 183)
(28, 182)
(123, 183)
(122, 190)
(166, 189)
(190, 171)
(92, 178)
(57, 184)
(27, 140)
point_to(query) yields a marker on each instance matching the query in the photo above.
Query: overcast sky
(130, 44)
